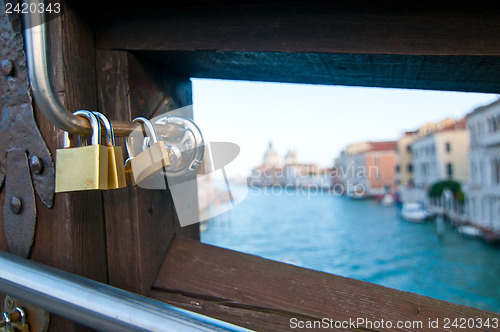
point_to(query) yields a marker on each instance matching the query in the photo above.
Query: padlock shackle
(6, 318)
(22, 314)
(103, 119)
(94, 123)
(148, 126)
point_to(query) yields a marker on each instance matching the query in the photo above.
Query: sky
(317, 121)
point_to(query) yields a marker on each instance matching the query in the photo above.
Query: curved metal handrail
(41, 80)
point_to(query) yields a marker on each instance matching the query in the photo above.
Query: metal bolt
(16, 205)
(7, 67)
(36, 164)
(9, 304)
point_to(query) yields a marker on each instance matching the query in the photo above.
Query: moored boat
(414, 212)
(470, 231)
(388, 200)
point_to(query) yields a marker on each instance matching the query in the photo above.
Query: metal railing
(94, 304)
(38, 57)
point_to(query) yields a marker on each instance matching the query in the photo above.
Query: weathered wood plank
(336, 43)
(71, 235)
(264, 295)
(303, 27)
(458, 73)
(140, 223)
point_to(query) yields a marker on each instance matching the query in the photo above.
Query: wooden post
(71, 235)
(117, 237)
(140, 223)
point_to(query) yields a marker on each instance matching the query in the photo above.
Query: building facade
(289, 173)
(483, 191)
(368, 167)
(404, 159)
(405, 167)
(441, 155)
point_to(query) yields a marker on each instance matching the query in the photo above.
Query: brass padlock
(152, 159)
(20, 325)
(116, 170)
(84, 167)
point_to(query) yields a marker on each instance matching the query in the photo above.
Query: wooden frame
(265, 295)
(381, 45)
(127, 64)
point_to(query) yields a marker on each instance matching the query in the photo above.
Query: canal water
(360, 239)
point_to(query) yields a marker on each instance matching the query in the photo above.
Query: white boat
(357, 194)
(388, 200)
(470, 231)
(414, 212)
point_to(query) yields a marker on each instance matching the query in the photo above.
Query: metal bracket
(26, 164)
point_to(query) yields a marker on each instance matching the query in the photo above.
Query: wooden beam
(335, 43)
(304, 27)
(453, 73)
(265, 295)
(140, 223)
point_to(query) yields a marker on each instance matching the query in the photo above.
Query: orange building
(380, 161)
(368, 167)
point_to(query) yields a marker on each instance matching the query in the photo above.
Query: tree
(455, 187)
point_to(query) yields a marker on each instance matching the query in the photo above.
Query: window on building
(482, 173)
(424, 169)
(408, 148)
(448, 147)
(496, 171)
(472, 210)
(449, 170)
(472, 130)
(410, 168)
(473, 172)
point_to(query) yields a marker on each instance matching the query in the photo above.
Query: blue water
(362, 240)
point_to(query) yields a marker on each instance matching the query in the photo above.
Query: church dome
(271, 157)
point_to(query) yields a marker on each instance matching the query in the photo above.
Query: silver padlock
(187, 149)
(7, 326)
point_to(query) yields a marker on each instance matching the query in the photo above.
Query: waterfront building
(291, 158)
(483, 191)
(308, 176)
(270, 172)
(441, 155)
(405, 165)
(351, 167)
(271, 157)
(368, 167)
(405, 168)
(291, 174)
(404, 158)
